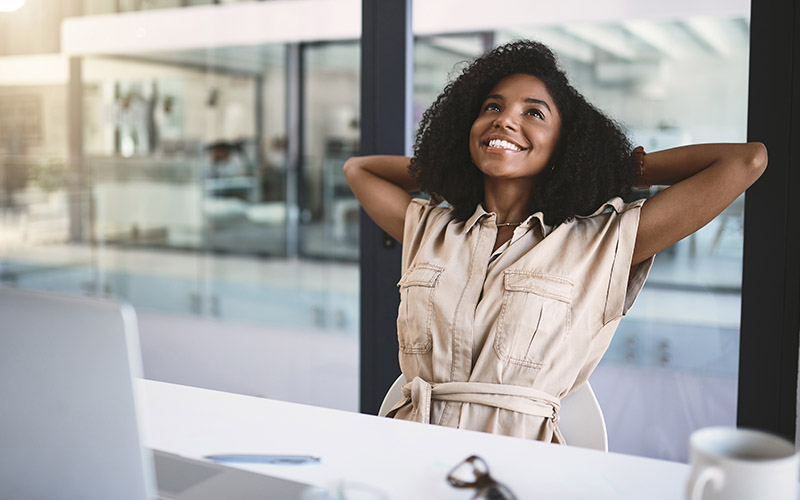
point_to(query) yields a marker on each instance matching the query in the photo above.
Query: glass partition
(437, 59)
(166, 178)
(42, 203)
(330, 102)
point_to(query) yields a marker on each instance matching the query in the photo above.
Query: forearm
(670, 166)
(382, 185)
(393, 169)
(704, 180)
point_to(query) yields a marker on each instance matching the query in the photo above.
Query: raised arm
(704, 178)
(382, 185)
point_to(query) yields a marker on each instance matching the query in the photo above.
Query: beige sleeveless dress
(491, 341)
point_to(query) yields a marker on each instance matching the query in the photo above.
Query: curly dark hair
(592, 161)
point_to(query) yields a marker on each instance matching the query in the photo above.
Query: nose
(505, 120)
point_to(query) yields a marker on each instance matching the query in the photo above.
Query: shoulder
(425, 222)
(611, 213)
(421, 213)
(613, 219)
(614, 207)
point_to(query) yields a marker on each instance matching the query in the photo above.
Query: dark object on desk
(485, 486)
(265, 459)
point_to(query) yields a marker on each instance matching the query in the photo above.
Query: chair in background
(580, 420)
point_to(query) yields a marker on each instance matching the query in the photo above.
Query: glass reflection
(175, 195)
(329, 211)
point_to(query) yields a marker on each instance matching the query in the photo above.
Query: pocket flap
(546, 285)
(421, 275)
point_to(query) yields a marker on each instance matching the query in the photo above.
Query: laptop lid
(67, 410)
(68, 420)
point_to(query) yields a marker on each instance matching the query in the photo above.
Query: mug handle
(714, 475)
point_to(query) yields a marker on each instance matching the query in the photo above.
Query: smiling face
(517, 129)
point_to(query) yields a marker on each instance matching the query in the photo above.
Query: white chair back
(580, 420)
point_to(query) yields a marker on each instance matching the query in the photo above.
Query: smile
(501, 144)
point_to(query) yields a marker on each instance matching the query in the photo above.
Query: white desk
(405, 460)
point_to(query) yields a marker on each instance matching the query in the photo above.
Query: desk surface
(403, 459)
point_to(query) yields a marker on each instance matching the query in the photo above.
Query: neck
(509, 200)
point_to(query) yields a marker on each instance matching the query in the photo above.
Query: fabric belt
(508, 397)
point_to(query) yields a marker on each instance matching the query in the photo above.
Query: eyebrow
(530, 100)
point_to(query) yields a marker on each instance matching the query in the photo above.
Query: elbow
(350, 166)
(756, 159)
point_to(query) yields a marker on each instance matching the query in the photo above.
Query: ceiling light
(713, 33)
(10, 5)
(605, 38)
(659, 36)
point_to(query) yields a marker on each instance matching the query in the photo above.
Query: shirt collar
(481, 215)
(475, 217)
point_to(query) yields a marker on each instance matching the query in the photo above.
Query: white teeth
(499, 143)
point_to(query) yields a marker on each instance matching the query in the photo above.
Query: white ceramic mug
(741, 464)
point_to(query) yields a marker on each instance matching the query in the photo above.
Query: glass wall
(673, 364)
(181, 181)
(330, 112)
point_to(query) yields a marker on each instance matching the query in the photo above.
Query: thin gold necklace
(509, 224)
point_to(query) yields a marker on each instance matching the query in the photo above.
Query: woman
(512, 290)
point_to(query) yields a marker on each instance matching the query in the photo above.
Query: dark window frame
(770, 323)
(386, 71)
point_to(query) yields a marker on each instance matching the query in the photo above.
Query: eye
(492, 106)
(535, 112)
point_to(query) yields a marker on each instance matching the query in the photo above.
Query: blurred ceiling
(630, 41)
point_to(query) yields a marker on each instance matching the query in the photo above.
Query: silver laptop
(68, 419)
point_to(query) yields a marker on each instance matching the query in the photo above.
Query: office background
(186, 156)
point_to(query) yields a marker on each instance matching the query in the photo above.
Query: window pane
(169, 178)
(329, 211)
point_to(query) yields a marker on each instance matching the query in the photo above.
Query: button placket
(463, 320)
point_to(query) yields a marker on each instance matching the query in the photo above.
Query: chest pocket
(415, 315)
(534, 319)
